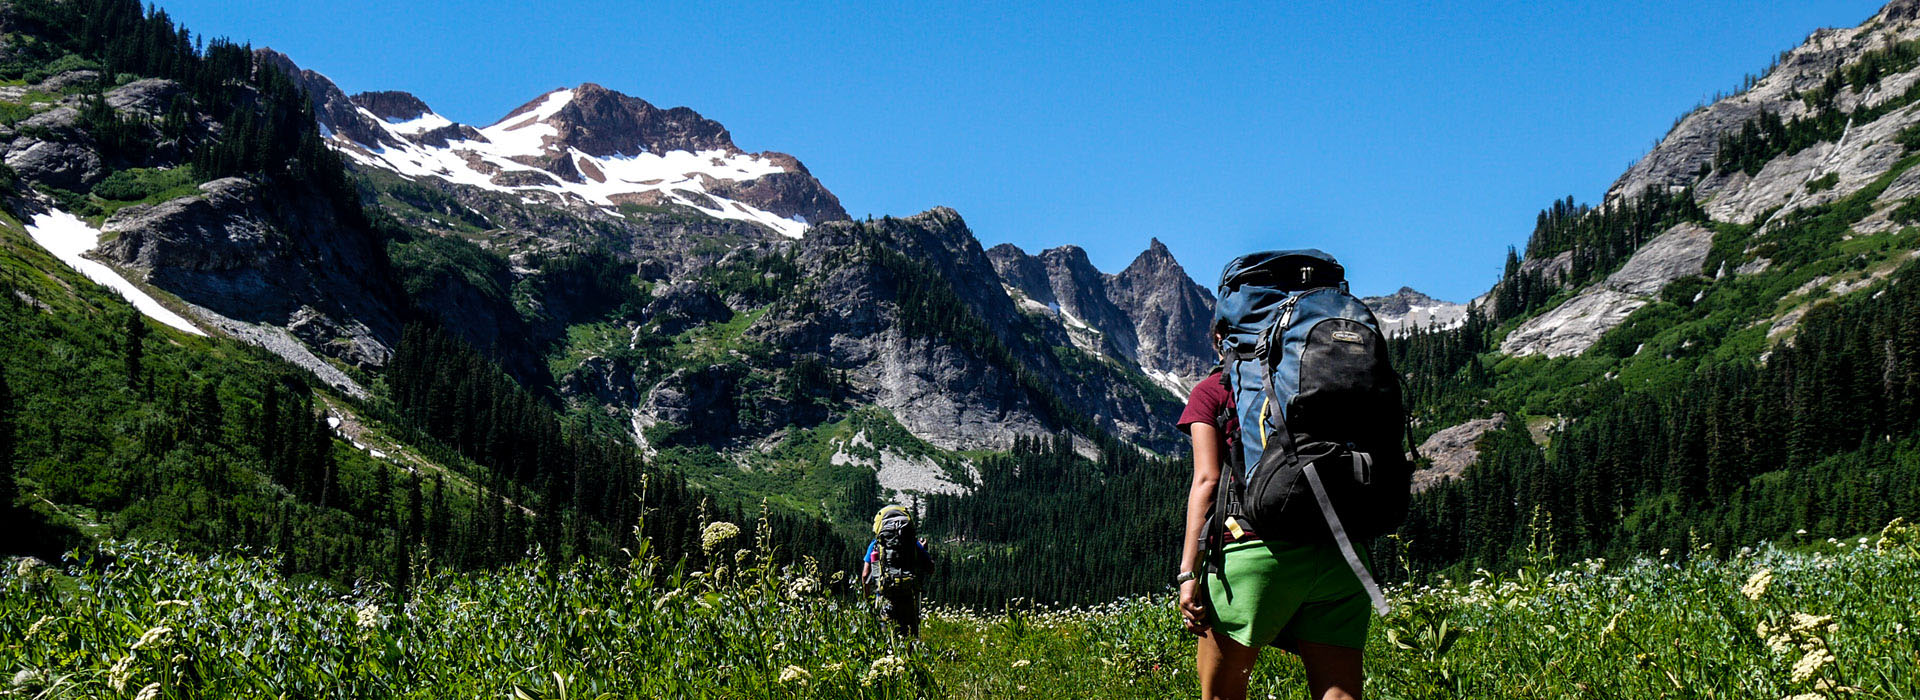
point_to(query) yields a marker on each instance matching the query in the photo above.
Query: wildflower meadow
(1800, 620)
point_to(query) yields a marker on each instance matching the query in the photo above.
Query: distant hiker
(1297, 461)
(896, 564)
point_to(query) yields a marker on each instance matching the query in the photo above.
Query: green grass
(583, 341)
(134, 186)
(1835, 619)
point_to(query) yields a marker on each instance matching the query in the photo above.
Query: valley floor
(1801, 620)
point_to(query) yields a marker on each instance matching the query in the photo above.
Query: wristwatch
(1184, 577)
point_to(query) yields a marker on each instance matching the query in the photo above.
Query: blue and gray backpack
(1315, 427)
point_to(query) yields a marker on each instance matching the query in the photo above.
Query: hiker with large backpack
(895, 566)
(1297, 462)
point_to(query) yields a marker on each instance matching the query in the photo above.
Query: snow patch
(69, 238)
(1173, 383)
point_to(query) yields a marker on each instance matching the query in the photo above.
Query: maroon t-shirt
(1204, 402)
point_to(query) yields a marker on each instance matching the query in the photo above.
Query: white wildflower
(1023, 663)
(1757, 584)
(802, 587)
(156, 637)
(717, 534)
(34, 628)
(1808, 666)
(27, 677)
(121, 672)
(27, 567)
(368, 617)
(1778, 641)
(1803, 622)
(792, 674)
(885, 667)
(150, 692)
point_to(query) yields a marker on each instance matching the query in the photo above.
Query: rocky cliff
(1151, 314)
(1812, 154)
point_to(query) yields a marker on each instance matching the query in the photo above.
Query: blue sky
(1413, 140)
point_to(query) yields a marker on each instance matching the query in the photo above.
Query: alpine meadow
(309, 394)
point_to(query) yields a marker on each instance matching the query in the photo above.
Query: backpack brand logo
(1346, 336)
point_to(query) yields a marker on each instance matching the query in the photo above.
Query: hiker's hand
(1193, 611)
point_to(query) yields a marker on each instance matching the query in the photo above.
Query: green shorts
(1276, 593)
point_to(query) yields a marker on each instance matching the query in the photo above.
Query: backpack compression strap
(1340, 537)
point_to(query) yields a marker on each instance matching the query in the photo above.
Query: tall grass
(1802, 620)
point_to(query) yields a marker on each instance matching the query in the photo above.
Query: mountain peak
(1155, 256)
(392, 105)
(1410, 309)
(1899, 11)
(602, 122)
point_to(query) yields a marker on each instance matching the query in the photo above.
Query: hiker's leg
(1333, 672)
(1225, 666)
(910, 614)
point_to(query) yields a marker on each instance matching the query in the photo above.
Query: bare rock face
(701, 401)
(793, 193)
(605, 381)
(1866, 152)
(1688, 150)
(602, 122)
(1572, 327)
(391, 105)
(150, 97)
(287, 263)
(682, 305)
(1680, 252)
(1576, 325)
(1453, 450)
(943, 387)
(67, 165)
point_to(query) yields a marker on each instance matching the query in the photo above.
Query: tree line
(1821, 436)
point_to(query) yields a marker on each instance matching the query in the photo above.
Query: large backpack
(1315, 423)
(897, 546)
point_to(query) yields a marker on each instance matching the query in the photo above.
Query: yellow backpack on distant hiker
(900, 562)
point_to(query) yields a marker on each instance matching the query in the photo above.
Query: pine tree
(134, 350)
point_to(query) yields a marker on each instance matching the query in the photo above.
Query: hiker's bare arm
(1206, 476)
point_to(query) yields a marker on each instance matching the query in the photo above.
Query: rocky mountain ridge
(1847, 94)
(1151, 313)
(1410, 310)
(1800, 189)
(577, 147)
